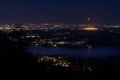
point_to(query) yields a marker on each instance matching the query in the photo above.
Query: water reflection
(85, 52)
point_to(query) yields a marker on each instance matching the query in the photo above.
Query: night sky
(60, 11)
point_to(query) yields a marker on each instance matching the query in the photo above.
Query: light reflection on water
(96, 52)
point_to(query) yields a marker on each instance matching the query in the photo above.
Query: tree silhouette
(13, 48)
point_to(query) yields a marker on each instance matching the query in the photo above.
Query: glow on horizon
(90, 29)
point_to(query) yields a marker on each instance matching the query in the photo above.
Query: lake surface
(74, 52)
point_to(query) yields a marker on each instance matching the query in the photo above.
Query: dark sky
(60, 11)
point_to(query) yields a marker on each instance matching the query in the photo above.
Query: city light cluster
(90, 29)
(58, 62)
